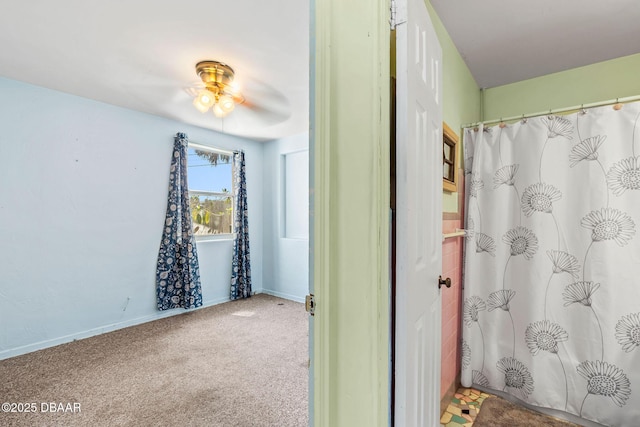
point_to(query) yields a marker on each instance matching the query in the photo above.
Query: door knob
(446, 282)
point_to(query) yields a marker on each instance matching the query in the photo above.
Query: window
(210, 191)
(449, 164)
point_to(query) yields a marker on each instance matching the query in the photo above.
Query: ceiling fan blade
(267, 114)
(265, 102)
(263, 105)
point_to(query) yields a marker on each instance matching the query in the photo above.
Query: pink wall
(451, 302)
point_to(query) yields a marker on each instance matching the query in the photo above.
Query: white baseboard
(17, 351)
(283, 295)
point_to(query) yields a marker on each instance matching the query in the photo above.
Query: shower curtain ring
(618, 106)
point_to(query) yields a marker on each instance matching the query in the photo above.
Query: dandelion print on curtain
(177, 271)
(552, 259)
(241, 272)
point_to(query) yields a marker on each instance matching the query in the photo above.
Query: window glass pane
(209, 171)
(447, 172)
(211, 214)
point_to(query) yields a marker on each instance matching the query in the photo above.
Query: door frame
(349, 145)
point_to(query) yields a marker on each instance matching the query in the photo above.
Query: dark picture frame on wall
(449, 159)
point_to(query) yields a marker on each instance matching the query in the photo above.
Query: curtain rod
(206, 147)
(558, 110)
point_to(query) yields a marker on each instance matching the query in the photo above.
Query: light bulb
(226, 103)
(204, 101)
(218, 111)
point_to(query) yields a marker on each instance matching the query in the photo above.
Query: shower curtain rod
(558, 110)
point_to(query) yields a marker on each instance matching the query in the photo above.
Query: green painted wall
(461, 95)
(350, 143)
(601, 81)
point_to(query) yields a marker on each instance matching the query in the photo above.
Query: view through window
(210, 177)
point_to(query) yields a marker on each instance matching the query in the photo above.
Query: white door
(419, 217)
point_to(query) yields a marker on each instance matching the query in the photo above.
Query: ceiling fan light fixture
(218, 111)
(220, 91)
(204, 100)
(226, 103)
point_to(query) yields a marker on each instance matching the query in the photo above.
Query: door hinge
(310, 304)
(398, 13)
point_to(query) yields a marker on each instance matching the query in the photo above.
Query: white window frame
(222, 236)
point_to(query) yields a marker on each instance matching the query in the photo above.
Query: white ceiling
(141, 54)
(504, 41)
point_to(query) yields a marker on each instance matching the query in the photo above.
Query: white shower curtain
(552, 262)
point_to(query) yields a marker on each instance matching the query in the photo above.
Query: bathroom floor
(464, 407)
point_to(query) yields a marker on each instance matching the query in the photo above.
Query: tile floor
(464, 407)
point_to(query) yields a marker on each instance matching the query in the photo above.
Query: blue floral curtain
(177, 271)
(241, 273)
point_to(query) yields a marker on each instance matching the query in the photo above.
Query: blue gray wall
(286, 207)
(83, 189)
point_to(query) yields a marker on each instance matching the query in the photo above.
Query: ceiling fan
(219, 92)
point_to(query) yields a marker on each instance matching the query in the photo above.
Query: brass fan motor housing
(217, 78)
(214, 73)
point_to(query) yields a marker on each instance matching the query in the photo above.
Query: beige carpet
(498, 412)
(241, 363)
